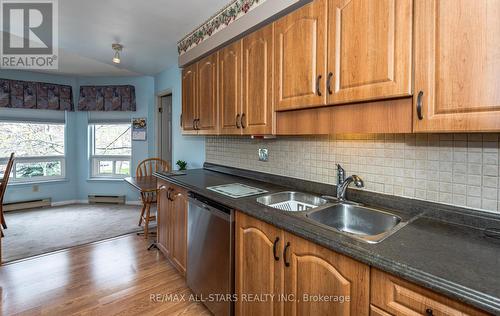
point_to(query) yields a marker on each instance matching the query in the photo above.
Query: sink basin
(364, 223)
(292, 201)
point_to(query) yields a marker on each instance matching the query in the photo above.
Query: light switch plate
(263, 154)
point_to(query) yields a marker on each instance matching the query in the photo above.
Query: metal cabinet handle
(287, 264)
(419, 105)
(197, 124)
(194, 124)
(318, 91)
(329, 83)
(428, 312)
(169, 192)
(238, 120)
(242, 120)
(275, 244)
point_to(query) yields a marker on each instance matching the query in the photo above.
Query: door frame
(157, 118)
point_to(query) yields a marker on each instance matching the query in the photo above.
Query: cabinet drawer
(398, 297)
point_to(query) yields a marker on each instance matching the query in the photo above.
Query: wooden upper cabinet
(257, 271)
(457, 65)
(258, 111)
(189, 98)
(300, 57)
(315, 270)
(207, 95)
(230, 88)
(369, 50)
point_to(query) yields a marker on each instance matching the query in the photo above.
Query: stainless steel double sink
(367, 224)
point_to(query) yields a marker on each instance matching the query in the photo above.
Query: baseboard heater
(24, 205)
(109, 199)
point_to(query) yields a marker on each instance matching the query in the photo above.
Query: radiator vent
(24, 205)
(110, 199)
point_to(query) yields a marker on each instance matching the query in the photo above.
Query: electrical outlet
(35, 188)
(263, 154)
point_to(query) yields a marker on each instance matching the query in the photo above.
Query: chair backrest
(6, 176)
(150, 165)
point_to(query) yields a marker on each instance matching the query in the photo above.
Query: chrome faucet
(343, 183)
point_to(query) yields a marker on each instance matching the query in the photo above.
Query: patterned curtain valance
(107, 98)
(35, 95)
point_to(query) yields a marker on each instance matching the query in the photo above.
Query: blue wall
(77, 184)
(188, 148)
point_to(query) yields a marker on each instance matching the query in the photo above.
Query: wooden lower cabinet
(292, 276)
(298, 277)
(172, 224)
(391, 295)
(257, 271)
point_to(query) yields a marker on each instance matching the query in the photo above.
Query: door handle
(318, 91)
(419, 105)
(275, 244)
(287, 263)
(429, 312)
(329, 83)
(242, 120)
(237, 120)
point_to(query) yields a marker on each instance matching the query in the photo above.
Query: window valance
(35, 95)
(107, 98)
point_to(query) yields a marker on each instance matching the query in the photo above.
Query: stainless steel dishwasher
(210, 261)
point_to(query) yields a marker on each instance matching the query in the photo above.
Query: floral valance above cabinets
(35, 95)
(107, 98)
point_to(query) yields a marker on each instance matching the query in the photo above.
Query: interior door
(315, 271)
(300, 57)
(369, 50)
(207, 95)
(257, 270)
(258, 112)
(189, 98)
(230, 88)
(165, 128)
(457, 65)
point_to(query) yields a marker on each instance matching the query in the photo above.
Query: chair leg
(142, 213)
(146, 222)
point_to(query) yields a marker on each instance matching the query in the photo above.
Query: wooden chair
(146, 168)
(3, 188)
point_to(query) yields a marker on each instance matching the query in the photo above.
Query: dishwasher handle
(219, 212)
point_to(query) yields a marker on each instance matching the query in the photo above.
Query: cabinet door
(457, 62)
(315, 270)
(163, 218)
(230, 88)
(178, 211)
(300, 57)
(257, 271)
(207, 95)
(399, 297)
(369, 50)
(189, 98)
(258, 112)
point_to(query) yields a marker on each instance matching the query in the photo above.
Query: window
(38, 148)
(111, 150)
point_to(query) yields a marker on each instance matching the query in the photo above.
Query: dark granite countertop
(452, 257)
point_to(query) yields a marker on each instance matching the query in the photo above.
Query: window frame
(14, 179)
(94, 159)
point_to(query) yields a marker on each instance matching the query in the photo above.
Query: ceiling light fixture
(117, 48)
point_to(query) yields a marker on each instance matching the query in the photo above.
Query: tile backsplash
(457, 169)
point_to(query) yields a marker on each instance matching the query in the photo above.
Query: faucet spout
(343, 184)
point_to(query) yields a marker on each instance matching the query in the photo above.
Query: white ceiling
(148, 29)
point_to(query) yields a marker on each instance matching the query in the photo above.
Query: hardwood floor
(113, 277)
